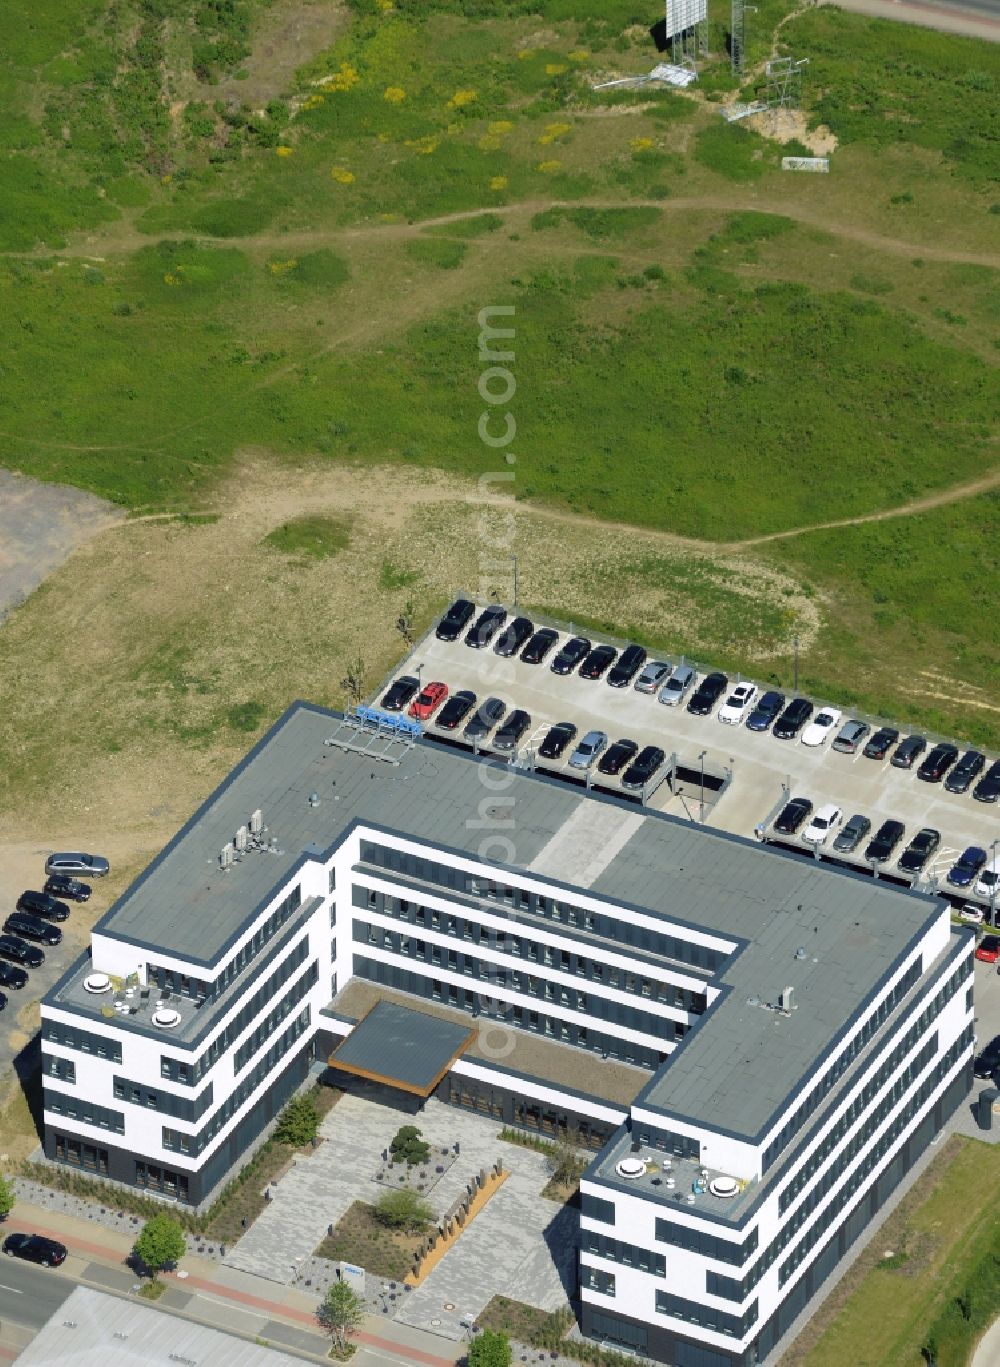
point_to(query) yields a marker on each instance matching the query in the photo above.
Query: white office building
(756, 1047)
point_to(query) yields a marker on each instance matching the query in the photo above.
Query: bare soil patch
(289, 34)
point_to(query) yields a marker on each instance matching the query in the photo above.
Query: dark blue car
(767, 709)
(962, 874)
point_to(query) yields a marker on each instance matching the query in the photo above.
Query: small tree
(490, 1349)
(403, 1209)
(408, 1146)
(161, 1241)
(341, 1312)
(299, 1122)
(7, 1198)
(567, 1165)
(353, 682)
(404, 622)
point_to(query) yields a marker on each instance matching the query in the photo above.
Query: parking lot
(755, 771)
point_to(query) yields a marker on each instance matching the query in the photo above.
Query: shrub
(409, 1147)
(491, 1348)
(7, 1197)
(299, 1122)
(403, 1209)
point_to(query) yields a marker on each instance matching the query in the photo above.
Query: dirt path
(128, 238)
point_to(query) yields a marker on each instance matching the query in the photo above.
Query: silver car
(588, 750)
(677, 685)
(653, 677)
(87, 865)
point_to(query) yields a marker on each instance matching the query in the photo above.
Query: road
(30, 1295)
(973, 18)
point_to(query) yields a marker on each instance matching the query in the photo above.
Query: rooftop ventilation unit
(242, 840)
(227, 855)
(785, 1002)
(256, 822)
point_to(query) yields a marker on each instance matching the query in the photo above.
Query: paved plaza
(521, 1244)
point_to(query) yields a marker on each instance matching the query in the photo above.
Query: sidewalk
(223, 1297)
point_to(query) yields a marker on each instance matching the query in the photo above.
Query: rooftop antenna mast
(737, 36)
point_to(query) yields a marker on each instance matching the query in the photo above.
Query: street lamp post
(993, 887)
(701, 805)
(514, 559)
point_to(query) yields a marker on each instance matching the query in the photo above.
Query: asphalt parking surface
(765, 770)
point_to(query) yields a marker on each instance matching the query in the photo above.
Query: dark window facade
(707, 1244)
(596, 1208)
(155, 1177)
(86, 1112)
(614, 1330)
(70, 1037)
(629, 1255)
(707, 1316)
(596, 1279)
(79, 1154)
(669, 1141)
(62, 1068)
(166, 1103)
(274, 1018)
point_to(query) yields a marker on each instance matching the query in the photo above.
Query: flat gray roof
(733, 1071)
(402, 1046)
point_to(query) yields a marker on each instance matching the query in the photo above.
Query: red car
(427, 702)
(988, 949)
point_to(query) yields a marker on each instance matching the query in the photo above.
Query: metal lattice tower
(737, 36)
(687, 29)
(784, 83)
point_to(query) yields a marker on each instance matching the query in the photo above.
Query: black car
(919, 850)
(938, 762)
(970, 766)
(557, 739)
(851, 834)
(20, 953)
(513, 637)
(11, 976)
(768, 707)
(792, 815)
(792, 720)
(987, 1062)
(887, 837)
(456, 709)
(539, 646)
(627, 666)
(33, 1248)
(489, 714)
(400, 693)
(61, 885)
(907, 752)
(455, 620)
(32, 928)
(642, 768)
(616, 756)
(512, 730)
(881, 743)
(707, 694)
(577, 648)
(3, 1001)
(486, 626)
(43, 904)
(597, 662)
(962, 873)
(988, 787)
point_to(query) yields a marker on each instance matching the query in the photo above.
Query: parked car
(513, 637)
(919, 850)
(642, 769)
(937, 762)
(707, 694)
(908, 751)
(827, 819)
(43, 904)
(767, 708)
(33, 1248)
(59, 885)
(792, 720)
(20, 953)
(588, 750)
(677, 685)
(988, 949)
(557, 739)
(486, 626)
(539, 646)
(89, 865)
(852, 833)
(512, 730)
(970, 766)
(654, 675)
(455, 620)
(964, 871)
(615, 758)
(738, 704)
(32, 928)
(597, 662)
(398, 694)
(987, 1061)
(881, 743)
(456, 709)
(490, 714)
(11, 976)
(887, 837)
(577, 648)
(821, 727)
(971, 913)
(792, 815)
(627, 666)
(988, 787)
(852, 733)
(3, 1001)
(428, 700)
(988, 882)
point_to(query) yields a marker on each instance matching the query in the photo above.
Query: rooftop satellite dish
(242, 839)
(256, 822)
(227, 855)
